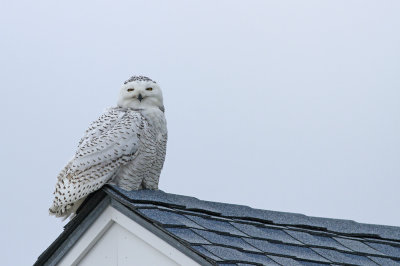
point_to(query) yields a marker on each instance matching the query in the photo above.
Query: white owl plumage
(125, 146)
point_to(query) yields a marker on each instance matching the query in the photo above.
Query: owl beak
(140, 97)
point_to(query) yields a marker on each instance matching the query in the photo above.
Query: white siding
(120, 247)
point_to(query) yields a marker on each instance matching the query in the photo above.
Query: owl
(125, 146)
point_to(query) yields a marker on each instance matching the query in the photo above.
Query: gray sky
(281, 105)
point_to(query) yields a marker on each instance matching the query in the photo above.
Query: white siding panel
(105, 251)
(120, 247)
(134, 250)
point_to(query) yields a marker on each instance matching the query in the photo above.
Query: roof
(226, 234)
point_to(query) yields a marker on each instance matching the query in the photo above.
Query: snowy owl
(125, 146)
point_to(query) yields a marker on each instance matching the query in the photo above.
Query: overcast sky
(282, 105)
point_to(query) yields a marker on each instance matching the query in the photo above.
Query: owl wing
(110, 141)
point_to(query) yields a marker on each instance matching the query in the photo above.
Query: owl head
(140, 92)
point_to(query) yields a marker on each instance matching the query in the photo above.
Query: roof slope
(227, 234)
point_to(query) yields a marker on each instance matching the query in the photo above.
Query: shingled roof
(225, 234)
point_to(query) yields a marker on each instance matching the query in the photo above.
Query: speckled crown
(139, 78)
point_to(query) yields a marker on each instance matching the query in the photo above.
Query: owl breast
(143, 171)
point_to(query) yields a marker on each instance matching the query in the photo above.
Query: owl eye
(130, 89)
(149, 89)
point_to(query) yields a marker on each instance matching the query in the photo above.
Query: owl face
(140, 94)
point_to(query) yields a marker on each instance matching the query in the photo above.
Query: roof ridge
(263, 217)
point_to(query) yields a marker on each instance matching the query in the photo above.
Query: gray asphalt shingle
(339, 257)
(187, 235)
(316, 240)
(384, 261)
(207, 253)
(357, 246)
(215, 225)
(285, 260)
(231, 241)
(233, 255)
(169, 218)
(266, 233)
(386, 249)
(288, 250)
(310, 263)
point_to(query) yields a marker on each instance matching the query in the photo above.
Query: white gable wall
(120, 247)
(115, 239)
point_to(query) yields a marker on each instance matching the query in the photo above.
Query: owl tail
(66, 211)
